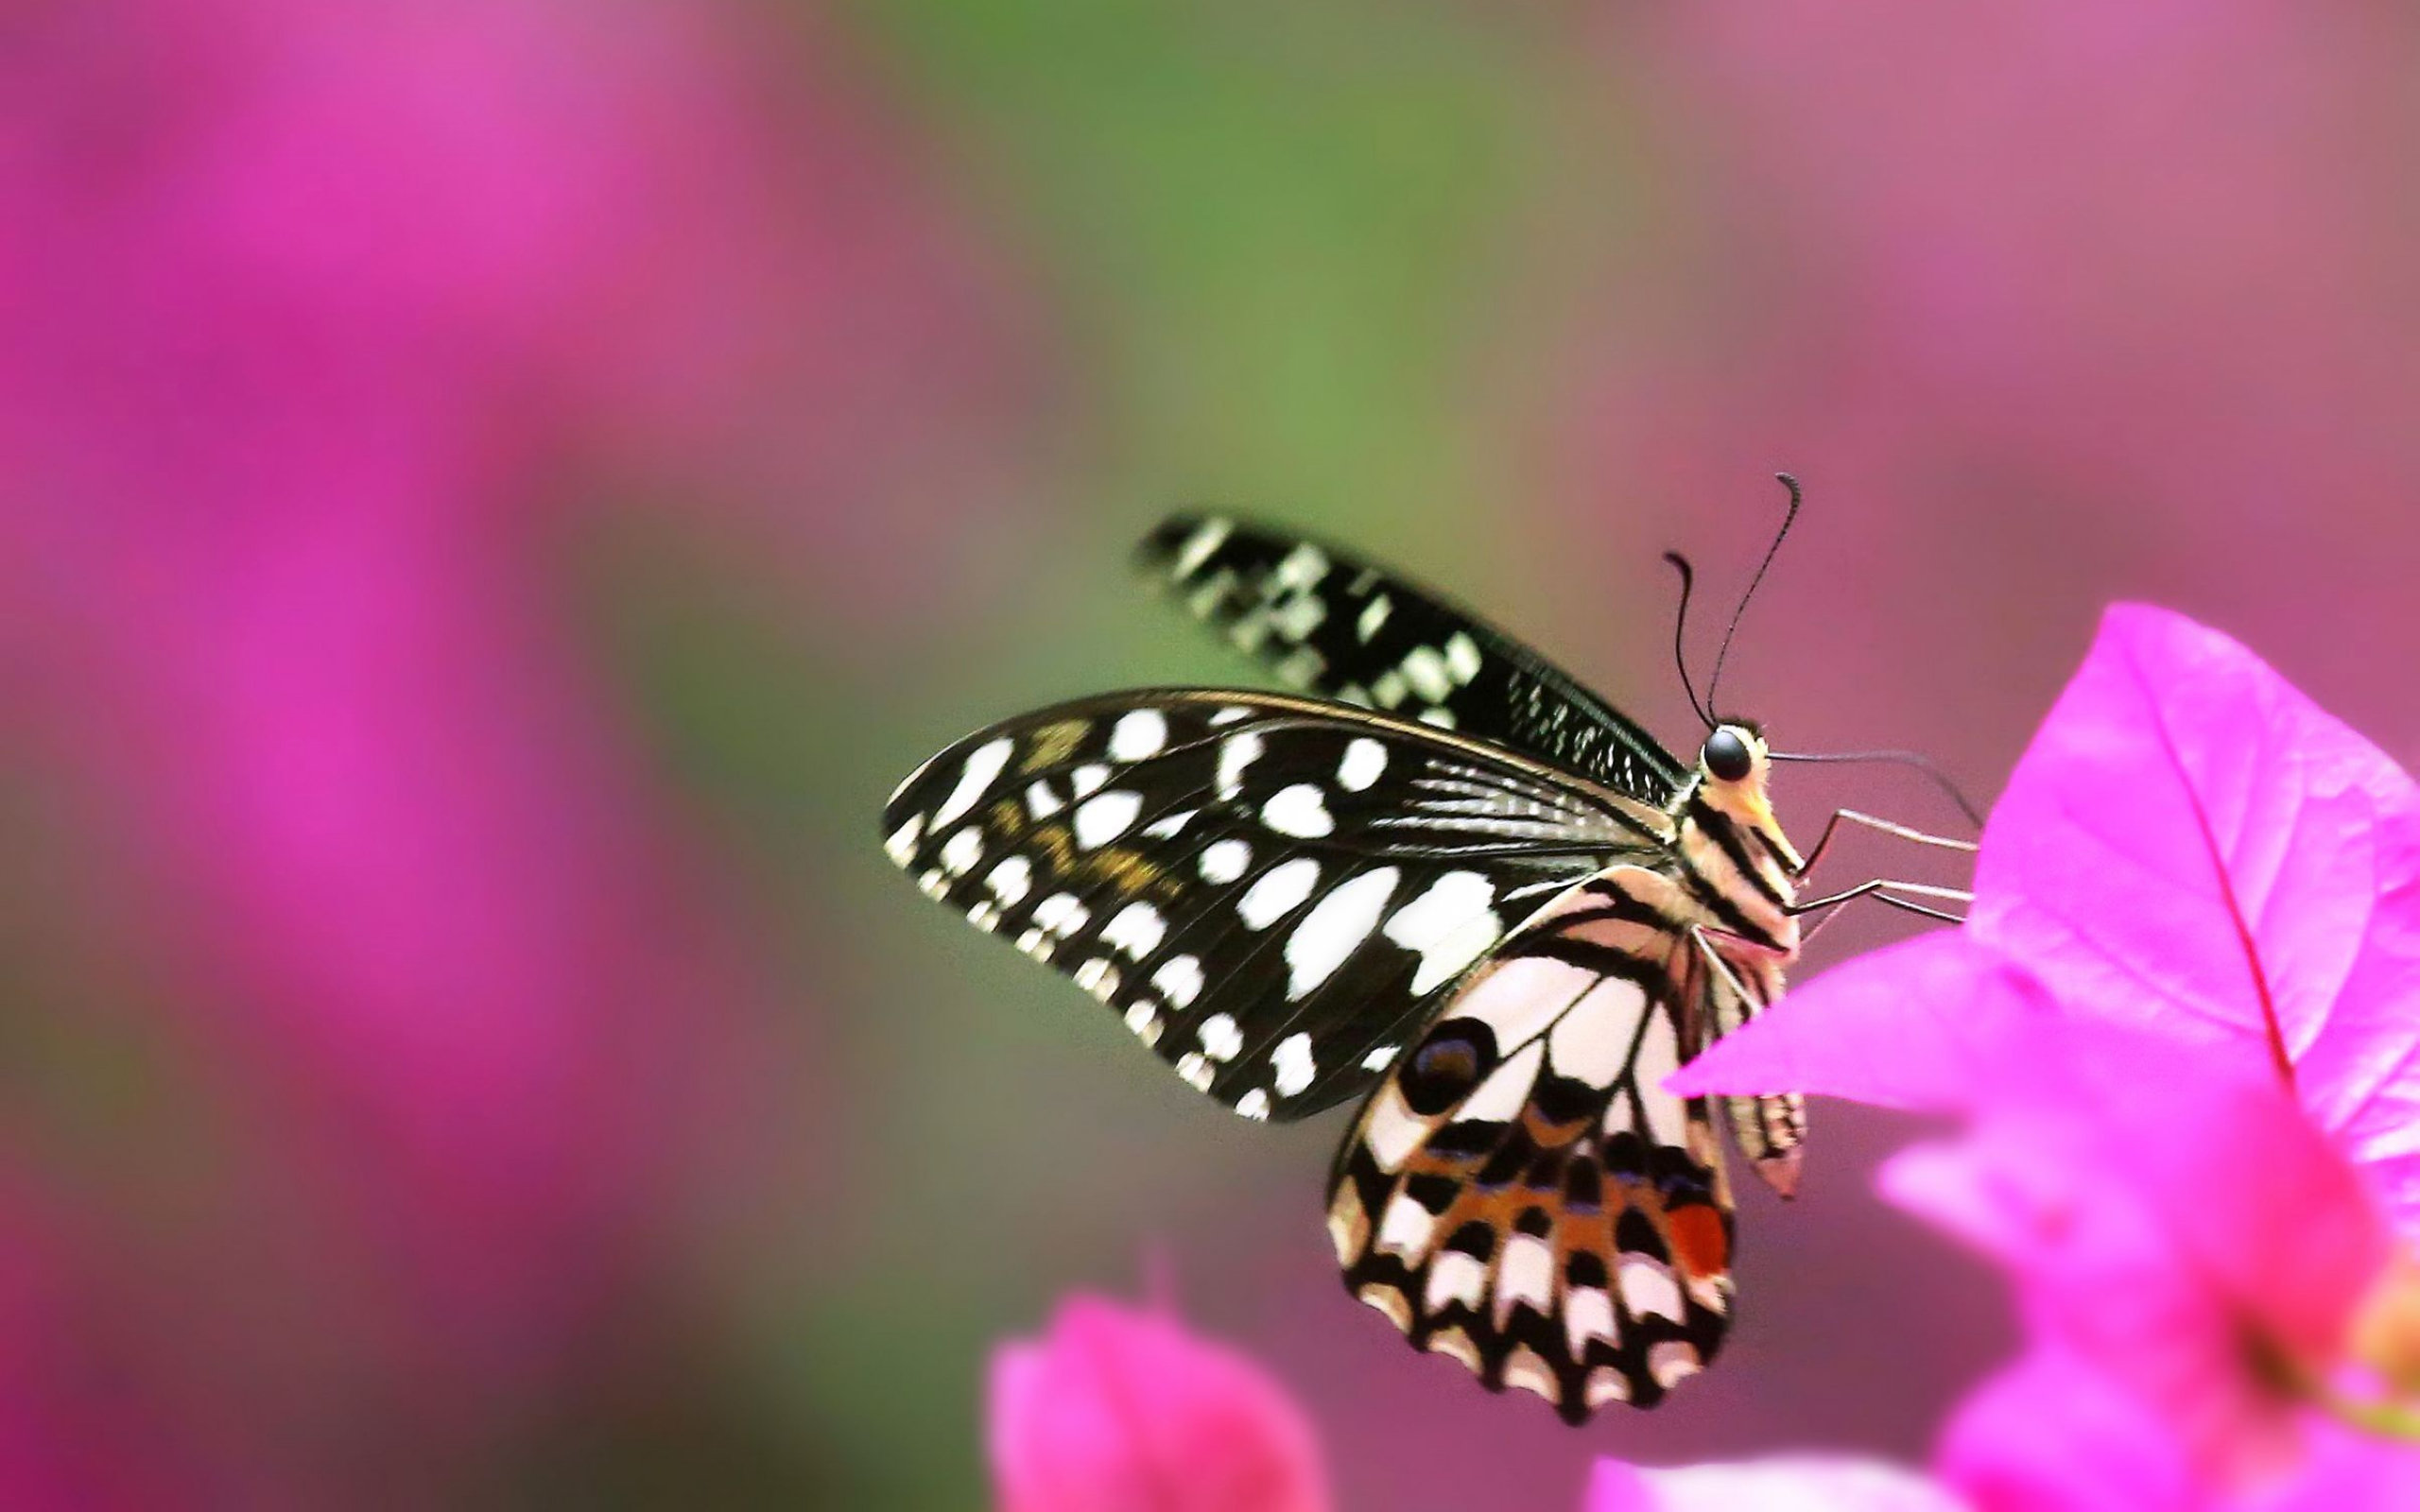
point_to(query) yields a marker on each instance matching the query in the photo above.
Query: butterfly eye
(1727, 756)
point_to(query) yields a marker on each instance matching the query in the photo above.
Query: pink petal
(2191, 844)
(1801, 1482)
(2051, 1434)
(1917, 1025)
(1123, 1411)
(2173, 1217)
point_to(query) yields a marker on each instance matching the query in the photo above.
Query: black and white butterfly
(1445, 880)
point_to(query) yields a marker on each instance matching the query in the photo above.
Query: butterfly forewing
(1269, 890)
(1522, 1194)
(1327, 622)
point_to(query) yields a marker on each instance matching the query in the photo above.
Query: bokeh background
(494, 492)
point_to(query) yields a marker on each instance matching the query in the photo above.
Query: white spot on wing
(902, 844)
(1374, 615)
(1425, 668)
(1648, 1288)
(1140, 733)
(1462, 657)
(1223, 861)
(1525, 1369)
(1060, 914)
(1364, 760)
(1588, 1313)
(1393, 1130)
(1380, 1058)
(1292, 1064)
(1299, 617)
(1180, 979)
(1524, 1275)
(982, 766)
(1197, 546)
(1040, 802)
(1236, 753)
(1456, 1277)
(1168, 828)
(1277, 892)
(1136, 929)
(1301, 667)
(1221, 1038)
(962, 850)
(1407, 1229)
(1098, 977)
(1254, 1104)
(1454, 1344)
(1605, 1385)
(1011, 879)
(1672, 1360)
(1450, 925)
(1087, 777)
(1105, 817)
(1194, 1069)
(1299, 810)
(1303, 566)
(1335, 927)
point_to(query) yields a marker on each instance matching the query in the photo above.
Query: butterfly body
(1460, 888)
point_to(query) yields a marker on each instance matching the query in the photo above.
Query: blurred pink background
(493, 495)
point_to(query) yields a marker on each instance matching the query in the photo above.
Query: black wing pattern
(1324, 621)
(1522, 1195)
(1268, 889)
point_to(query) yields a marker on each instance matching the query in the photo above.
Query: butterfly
(1440, 877)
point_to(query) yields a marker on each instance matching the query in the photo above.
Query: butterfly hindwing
(1268, 889)
(1522, 1194)
(1326, 621)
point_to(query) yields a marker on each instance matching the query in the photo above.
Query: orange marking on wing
(1698, 1241)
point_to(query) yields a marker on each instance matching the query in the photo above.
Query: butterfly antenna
(1680, 624)
(1917, 759)
(1779, 536)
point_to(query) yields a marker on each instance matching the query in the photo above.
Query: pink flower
(1806, 1482)
(2179, 1021)
(2052, 1433)
(2170, 1217)
(1124, 1411)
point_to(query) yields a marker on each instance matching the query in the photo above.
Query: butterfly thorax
(1731, 856)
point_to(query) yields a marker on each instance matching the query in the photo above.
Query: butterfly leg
(1885, 826)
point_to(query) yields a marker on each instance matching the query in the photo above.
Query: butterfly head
(1733, 767)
